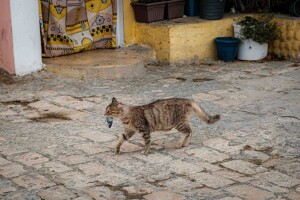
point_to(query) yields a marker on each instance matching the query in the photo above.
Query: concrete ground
(54, 143)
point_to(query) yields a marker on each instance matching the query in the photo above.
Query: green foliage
(261, 29)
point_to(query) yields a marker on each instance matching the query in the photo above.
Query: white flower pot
(249, 49)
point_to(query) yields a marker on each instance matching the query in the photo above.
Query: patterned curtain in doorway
(70, 26)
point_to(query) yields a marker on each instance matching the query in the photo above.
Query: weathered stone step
(101, 63)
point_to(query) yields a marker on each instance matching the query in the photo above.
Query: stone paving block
(2, 140)
(154, 158)
(72, 102)
(97, 136)
(232, 175)
(211, 180)
(164, 195)
(45, 107)
(74, 159)
(10, 149)
(114, 178)
(233, 135)
(204, 194)
(278, 178)
(243, 167)
(47, 93)
(292, 195)
(206, 154)
(52, 167)
(13, 170)
(4, 161)
(208, 167)
(230, 198)
(6, 186)
(132, 164)
(140, 189)
(268, 186)
(84, 197)
(184, 168)
(31, 158)
(33, 181)
(128, 147)
(92, 148)
(226, 103)
(60, 150)
(180, 184)
(271, 163)
(102, 192)
(8, 113)
(249, 192)
(289, 167)
(205, 97)
(22, 194)
(223, 145)
(259, 143)
(298, 189)
(255, 155)
(57, 193)
(92, 168)
(74, 180)
(156, 176)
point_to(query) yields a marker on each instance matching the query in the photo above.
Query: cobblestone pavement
(54, 143)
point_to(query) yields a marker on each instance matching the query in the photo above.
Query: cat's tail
(203, 115)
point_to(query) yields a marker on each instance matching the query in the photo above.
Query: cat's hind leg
(122, 138)
(185, 129)
(147, 139)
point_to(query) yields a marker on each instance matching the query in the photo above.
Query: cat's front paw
(117, 151)
(179, 145)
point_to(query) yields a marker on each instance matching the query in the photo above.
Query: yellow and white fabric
(70, 26)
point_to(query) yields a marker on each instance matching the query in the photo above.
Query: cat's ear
(114, 100)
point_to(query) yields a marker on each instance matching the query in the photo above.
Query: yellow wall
(129, 24)
(155, 36)
(289, 44)
(190, 40)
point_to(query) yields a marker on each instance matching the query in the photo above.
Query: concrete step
(101, 63)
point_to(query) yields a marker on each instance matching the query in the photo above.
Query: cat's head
(114, 109)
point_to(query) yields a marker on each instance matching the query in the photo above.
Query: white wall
(120, 24)
(26, 36)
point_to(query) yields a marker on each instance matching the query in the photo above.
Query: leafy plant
(261, 29)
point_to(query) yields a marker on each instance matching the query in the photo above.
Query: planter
(149, 12)
(174, 9)
(212, 9)
(192, 7)
(227, 48)
(249, 49)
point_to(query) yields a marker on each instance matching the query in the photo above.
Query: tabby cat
(160, 115)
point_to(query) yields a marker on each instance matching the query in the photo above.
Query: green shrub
(261, 29)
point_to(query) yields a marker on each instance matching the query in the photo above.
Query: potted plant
(174, 9)
(148, 10)
(255, 33)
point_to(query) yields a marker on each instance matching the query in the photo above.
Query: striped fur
(160, 115)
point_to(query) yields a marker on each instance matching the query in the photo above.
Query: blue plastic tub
(192, 7)
(227, 48)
